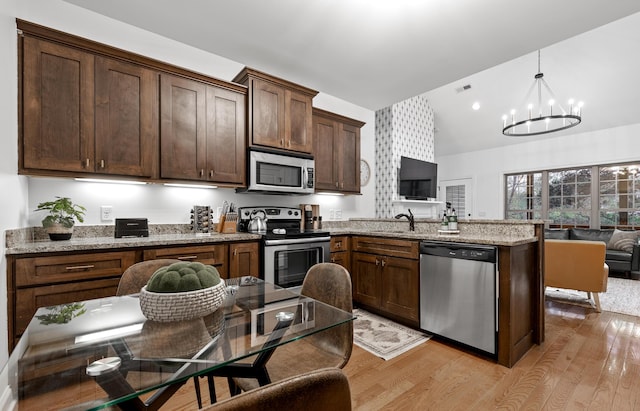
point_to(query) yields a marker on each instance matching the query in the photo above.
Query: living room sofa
(622, 251)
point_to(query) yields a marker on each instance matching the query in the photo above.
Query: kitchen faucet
(412, 223)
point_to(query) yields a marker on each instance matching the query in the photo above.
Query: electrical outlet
(332, 214)
(106, 213)
(338, 214)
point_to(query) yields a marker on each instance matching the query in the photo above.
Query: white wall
(487, 167)
(14, 188)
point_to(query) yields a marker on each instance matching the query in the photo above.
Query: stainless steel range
(287, 251)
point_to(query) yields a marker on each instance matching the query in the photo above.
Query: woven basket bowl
(168, 307)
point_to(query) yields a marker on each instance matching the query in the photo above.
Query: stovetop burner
(282, 222)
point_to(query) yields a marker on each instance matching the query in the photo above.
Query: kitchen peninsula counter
(454, 238)
(489, 232)
(520, 246)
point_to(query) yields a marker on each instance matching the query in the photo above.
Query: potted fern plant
(62, 216)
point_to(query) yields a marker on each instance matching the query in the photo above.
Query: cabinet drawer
(386, 246)
(215, 255)
(339, 243)
(57, 269)
(28, 300)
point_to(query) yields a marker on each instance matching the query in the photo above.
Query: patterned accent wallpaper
(404, 129)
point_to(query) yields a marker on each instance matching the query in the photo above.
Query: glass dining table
(104, 353)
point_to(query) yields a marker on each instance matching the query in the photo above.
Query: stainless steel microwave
(278, 172)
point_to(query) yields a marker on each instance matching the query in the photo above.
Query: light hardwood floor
(589, 361)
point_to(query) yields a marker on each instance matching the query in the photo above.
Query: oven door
(287, 261)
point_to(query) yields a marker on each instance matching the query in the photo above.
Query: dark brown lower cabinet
(51, 279)
(384, 283)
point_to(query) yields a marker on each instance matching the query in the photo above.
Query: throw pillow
(623, 240)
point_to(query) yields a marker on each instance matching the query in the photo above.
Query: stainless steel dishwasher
(458, 293)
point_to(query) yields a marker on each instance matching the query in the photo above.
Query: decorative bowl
(181, 306)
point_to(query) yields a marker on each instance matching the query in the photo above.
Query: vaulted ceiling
(374, 53)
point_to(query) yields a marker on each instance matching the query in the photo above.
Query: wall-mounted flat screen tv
(418, 179)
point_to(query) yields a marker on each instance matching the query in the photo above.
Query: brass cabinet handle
(282, 142)
(211, 173)
(80, 267)
(235, 253)
(377, 262)
(383, 262)
(188, 257)
(101, 163)
(86, 163)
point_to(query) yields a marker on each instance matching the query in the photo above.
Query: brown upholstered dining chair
(136, 276)
(317, 390)
(331, 284)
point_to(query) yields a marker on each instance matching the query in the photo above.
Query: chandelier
(535, 121)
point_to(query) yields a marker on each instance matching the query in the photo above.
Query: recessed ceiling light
(476, 106)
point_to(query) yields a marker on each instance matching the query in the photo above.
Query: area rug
(382, 337)
(621, 296)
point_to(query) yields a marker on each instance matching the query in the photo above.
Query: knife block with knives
(228, 222)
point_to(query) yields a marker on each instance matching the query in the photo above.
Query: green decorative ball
(183, 276)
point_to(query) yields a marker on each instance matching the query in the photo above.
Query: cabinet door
(326, 156)
(225, 136)
(267, 114)
(58, 107)
(366, 279)
(342, 258)
(215, 255)
(28, 300)
(244, 259)
(183, 125)
(298, 122)
(400, 287)
(126, 123)
(349, 158)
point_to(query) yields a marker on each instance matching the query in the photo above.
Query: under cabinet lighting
(330, 194)
(100, 180)
(188, 185)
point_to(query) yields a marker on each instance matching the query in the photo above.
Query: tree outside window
(620, 196)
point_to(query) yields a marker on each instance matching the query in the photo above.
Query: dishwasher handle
(463, 251)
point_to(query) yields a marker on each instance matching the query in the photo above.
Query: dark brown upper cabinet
(337, 152)
(280, 112)
(202, 132)
(89, 109)
(85, 113)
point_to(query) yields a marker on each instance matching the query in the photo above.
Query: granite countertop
(87, 238)
(487, 239)
(106, 243)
